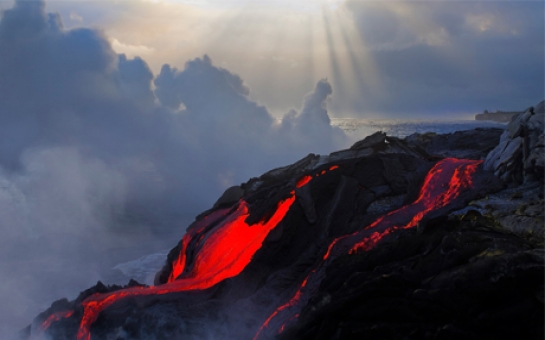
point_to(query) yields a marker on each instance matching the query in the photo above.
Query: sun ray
(334, 64)
(366, 79)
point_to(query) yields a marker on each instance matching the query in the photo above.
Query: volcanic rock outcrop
(520, 155)
(386, 240)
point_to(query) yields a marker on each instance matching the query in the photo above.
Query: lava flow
(225, 251)
(442, 185)
(292, 302)
(50, 319)
(224, 254)
(435, 193)
(303, 181)
(178, 265)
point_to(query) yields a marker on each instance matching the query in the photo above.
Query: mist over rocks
(458, 272)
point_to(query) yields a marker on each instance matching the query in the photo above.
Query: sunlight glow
(300, 5)
(266, 43)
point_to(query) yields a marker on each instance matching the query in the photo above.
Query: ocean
(361, 128)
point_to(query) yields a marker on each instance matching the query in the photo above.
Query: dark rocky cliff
(390, 239)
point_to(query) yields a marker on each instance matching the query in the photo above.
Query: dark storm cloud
(453, 56)
(87, 148)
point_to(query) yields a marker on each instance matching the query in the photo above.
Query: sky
(122, 120)
(384, 59)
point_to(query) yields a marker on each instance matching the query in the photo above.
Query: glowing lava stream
(443, 184)
(178, 265)
(56, 317)
(224, 253)
(50, 319)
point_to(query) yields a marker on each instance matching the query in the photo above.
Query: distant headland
(506, 116)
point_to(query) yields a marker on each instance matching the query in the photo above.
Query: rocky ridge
(520, 155)
(471, 267)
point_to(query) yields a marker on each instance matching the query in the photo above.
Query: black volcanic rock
(459, 279)
(520, 155)
(470, 144)
(340, 263)
(540, 108)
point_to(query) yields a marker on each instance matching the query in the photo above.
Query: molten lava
(178, 265)
(292, 302)
(433, 196)
(303, 181)
(226, 251)
(222, 251)
(50, 319)
(442, 185)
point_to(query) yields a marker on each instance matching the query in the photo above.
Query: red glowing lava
(443, 184)
(323, 172)
(178, 265)
(226, 250)
(224, 254)
(292, 302)
(303, 181)
(54, 318)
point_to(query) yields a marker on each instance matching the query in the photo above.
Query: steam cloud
(90, 151)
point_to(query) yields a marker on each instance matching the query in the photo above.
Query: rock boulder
(520, 157)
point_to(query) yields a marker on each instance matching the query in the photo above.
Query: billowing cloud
(75, 17)
(313, 120)
(131, 50)
(90, 151)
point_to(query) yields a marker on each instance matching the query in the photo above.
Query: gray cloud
(91, 155)
(313, 121)
(452, 56)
